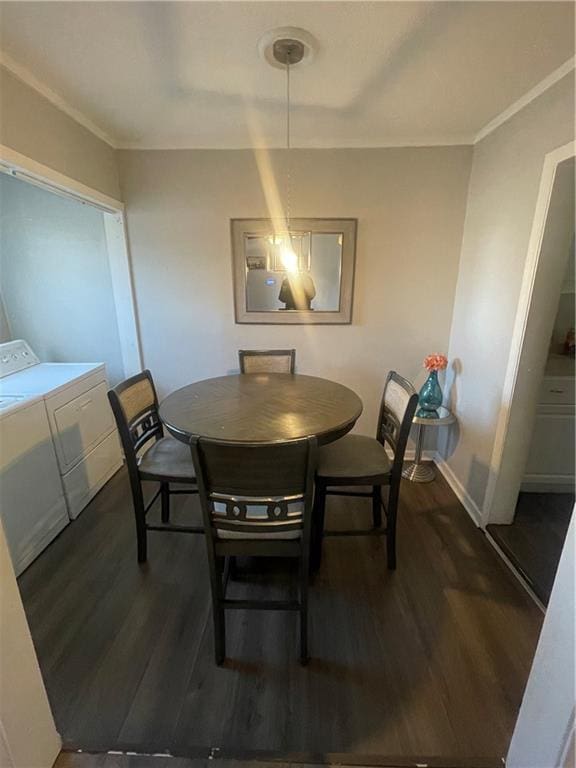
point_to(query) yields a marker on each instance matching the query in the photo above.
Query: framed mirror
(304, 275)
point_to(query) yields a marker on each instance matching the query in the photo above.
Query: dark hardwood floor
(535, 539)
(429, 661)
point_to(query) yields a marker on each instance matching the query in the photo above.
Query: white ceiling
(188, 74)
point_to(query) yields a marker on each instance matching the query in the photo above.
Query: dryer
(81, 422)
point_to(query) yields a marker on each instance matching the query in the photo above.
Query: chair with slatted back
(257, 502)
(359, 460)
(149, 455)
(267, 360)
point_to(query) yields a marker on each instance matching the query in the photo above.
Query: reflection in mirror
(293, 271)
(301, 273)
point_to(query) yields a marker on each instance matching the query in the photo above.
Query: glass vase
(429, 397)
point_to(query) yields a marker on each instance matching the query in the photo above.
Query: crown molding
(528, 97)
(54, 98)
(415, 142)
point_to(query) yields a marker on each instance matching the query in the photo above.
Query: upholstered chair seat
(354, 457)
(167, 459)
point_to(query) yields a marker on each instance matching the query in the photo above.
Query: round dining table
(261, 408)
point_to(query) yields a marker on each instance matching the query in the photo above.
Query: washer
(32, 503)
(81, 423)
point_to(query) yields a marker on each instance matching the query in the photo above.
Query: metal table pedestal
(417, 471)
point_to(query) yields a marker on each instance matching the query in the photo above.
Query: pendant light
(287, 52)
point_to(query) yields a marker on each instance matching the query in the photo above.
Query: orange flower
(435, 362)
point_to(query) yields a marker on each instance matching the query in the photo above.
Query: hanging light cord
(288, 158)
(288, 101)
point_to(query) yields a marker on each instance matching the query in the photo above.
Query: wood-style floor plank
(104, 760)
(429, 661)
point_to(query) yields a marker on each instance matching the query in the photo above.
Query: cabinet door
(81, 424)
(552, 446)
(557, 390)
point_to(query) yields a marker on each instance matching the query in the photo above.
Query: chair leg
(391, 528)
(318, 515)
(165, 502)
(304, 577)
(140, 520)
(142, 542)
(377, 506)
(218, 616)
(219, 633)
(226, 571)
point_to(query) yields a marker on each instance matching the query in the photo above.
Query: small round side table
(419, 472)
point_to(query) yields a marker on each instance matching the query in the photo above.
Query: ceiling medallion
(272, 46)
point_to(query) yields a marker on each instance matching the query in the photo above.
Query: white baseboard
(548, 484)
(461, 493)
(515, 572)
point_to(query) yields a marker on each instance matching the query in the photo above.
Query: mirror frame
(343, 316)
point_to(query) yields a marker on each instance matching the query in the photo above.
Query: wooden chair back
(135, 407)
(397, 409)
(267, 360)
(255, 491)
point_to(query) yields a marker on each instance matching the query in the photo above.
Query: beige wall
(33, 126)
(410, 207)
(504, 183)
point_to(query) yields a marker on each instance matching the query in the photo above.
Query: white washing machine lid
(46, 378)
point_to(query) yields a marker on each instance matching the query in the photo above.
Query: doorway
(531, 497)
(52, 226)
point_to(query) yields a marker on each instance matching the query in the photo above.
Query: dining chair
(149, 455)
(267, 360)
(360, 460)
(256, 501)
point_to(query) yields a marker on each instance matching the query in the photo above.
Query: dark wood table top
(261, 408)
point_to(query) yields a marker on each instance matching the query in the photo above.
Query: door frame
(26, 169)
(508, 455)
(545, 726)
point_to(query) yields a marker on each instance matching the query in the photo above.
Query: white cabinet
(550, 465)
(557, 390)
